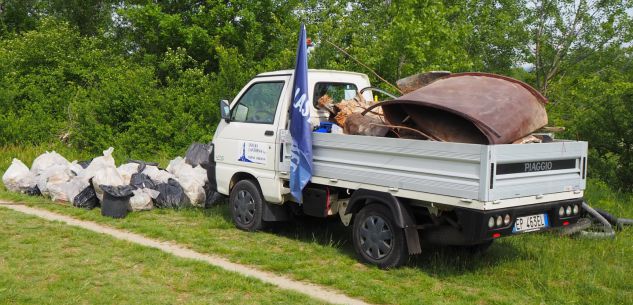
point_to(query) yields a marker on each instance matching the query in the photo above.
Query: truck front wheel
(246, 206)
(377, 239)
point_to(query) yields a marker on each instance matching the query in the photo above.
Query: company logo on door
(253, 152)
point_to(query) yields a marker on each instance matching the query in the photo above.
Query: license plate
(530, 223)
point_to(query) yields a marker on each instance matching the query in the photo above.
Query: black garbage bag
(198, 154)
(140, 180)
(33, 191)
(116, 200)
(87, 198)
(84, 164)
(171, 195)
(213, 198)
(141, 164)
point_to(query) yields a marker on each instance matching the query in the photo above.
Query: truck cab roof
(314, 71)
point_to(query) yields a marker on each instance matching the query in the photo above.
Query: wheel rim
(244, 207)
(376, 237)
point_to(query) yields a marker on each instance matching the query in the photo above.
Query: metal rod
(366, 67)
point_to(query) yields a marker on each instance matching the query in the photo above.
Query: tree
(89, 16)
(565, 33)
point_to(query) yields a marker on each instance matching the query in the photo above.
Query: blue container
(324, 127)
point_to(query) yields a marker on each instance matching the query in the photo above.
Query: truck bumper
(475, 224)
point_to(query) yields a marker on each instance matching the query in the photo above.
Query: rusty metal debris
(417, 81)
(479, 108)
(472, 107)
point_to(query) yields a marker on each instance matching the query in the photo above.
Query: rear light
(568, 210)
(576, 209)
(507, 219)
(561, 211)
(496, 235)
(499, 221)
(491, 222)
(565, 223)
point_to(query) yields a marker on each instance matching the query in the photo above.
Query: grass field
(528, 269)
(44, 262)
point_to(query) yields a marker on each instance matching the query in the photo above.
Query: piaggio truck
(394, 193)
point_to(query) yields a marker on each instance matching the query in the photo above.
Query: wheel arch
(271, 212)
(402, 216)
(239, 176)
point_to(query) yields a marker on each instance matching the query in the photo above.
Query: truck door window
(258, 104)
(336, 91)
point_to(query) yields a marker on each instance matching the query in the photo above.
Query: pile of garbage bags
(133, 186)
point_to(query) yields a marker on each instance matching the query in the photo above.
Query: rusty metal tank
(471, 107)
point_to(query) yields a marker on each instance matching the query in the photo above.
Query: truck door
(247, 142)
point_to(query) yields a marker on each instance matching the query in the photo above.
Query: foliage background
(145, 76)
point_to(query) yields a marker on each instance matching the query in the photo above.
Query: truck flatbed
(483, 177)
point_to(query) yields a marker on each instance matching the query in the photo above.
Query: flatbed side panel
(451, 169)
(545, 177)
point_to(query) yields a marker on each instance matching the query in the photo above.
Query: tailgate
(536, 169)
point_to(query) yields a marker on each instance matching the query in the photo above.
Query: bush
(56, 84)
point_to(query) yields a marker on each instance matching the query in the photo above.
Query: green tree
(89, 16)
(565, 33)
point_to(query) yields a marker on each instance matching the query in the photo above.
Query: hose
(608, 216)
(607, 229)
(618, 222)
(625, 221)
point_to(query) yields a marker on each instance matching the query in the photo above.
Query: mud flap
(413, 240)
(274, 212)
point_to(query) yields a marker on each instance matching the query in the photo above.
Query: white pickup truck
(394, 193)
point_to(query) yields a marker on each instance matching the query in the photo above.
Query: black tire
(377, 239)
(246, 205)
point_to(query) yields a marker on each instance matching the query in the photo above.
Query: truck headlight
(561, 211)
(568, 210)
(491, 222)
(576, 209)
(499, 221)
(506, 219)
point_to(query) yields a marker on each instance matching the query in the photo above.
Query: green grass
(44, 262)
(527, 269)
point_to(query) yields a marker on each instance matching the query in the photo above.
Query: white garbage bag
(73, 187)
(157, 175)
(76, 168)
(142, 199)
(47, 160)
(127, 170)
(194, 189)
(106, 176)
(192, 180)
(51, 182)
(98, 164)
(177, 165)
(18, 178)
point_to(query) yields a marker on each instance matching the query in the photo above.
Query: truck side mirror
(225, 110)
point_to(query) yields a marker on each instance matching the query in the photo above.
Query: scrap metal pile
(133, 186)
(479, 108)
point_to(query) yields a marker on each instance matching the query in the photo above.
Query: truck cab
(394, 193)
(251, 142)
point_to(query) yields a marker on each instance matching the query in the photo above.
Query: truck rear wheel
(377, 239)
(246, 205)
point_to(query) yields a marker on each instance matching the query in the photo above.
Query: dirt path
(314, 291)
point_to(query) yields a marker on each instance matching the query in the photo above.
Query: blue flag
(300, 126)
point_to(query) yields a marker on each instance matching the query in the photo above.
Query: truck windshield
(336, 91)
